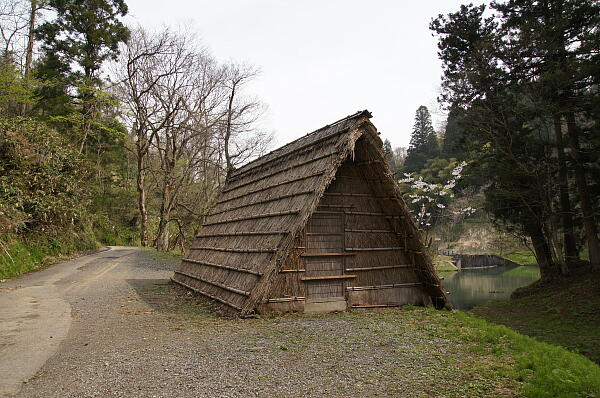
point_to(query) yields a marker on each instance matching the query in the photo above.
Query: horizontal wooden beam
(324, 234)
(222, 266)
(242, 233)
(255, 217)
(376, 306)
(260, 202)
(292, 270)
(377, 287)
(358, 195)
(378, 231)
(325, 254)
(373, 249)
(362, 178)
(284, 154)
(364, 162)
(380, 267)
(219, 285)
(273, 173)
(232, 250)
(328, 277)
(368, 213)
(272, 186)
(207, 295)
(371, 231)
(285, 299)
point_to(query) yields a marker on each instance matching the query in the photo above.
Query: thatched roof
(266, 203)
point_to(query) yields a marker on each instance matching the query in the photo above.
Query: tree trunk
(228, 163)
(589, 222)
(548, 269)
(29, 51)
(162, 236)
(570, 246)
(142, 197)
(30, 37)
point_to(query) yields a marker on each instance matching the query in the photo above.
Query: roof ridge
(352, 116)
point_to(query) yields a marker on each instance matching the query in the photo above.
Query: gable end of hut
(253, 252)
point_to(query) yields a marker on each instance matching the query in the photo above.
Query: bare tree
(190, 124)
(241, 115)
(193, 98)
(140, 69)
(13, 28)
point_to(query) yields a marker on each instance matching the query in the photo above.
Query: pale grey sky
(321, 60)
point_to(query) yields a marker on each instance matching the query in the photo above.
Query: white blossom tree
(430, 200)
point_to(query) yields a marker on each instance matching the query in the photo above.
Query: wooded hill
(114, 134)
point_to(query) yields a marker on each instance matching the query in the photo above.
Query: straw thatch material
(330, 190)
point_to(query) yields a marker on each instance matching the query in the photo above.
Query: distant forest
(114, 134)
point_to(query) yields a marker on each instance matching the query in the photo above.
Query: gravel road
(131, 333)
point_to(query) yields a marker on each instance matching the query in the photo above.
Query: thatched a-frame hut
(317, 225)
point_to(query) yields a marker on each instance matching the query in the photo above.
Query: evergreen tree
(516, 76)
(85, 33)
(423, 142)
(76, 43)
(453, 144)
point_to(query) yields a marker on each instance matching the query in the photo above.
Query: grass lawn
(524, 257)
(524, 270)
(565, 313)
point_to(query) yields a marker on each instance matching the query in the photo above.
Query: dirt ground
(134, 334)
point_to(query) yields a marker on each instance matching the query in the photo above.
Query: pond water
(471, 287)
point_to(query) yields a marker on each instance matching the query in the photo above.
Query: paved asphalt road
(36, 310)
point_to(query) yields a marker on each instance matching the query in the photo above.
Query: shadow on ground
(166, 297)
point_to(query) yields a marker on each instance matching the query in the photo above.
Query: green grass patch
(546, 370)
(564, 312)
(529, 271)
(524, 257)
(20, 255)
(542, 370)
(439, 353)
(173, 257)
(443, 263)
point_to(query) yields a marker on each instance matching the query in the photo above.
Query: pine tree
(454, 140)
(76, 43)
(85, 33)
(517, 76)
(423, 142)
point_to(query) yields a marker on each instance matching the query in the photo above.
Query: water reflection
(471, 287)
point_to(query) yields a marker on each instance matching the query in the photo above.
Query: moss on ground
(564, 312)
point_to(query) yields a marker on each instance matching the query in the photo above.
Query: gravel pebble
(134, 334)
